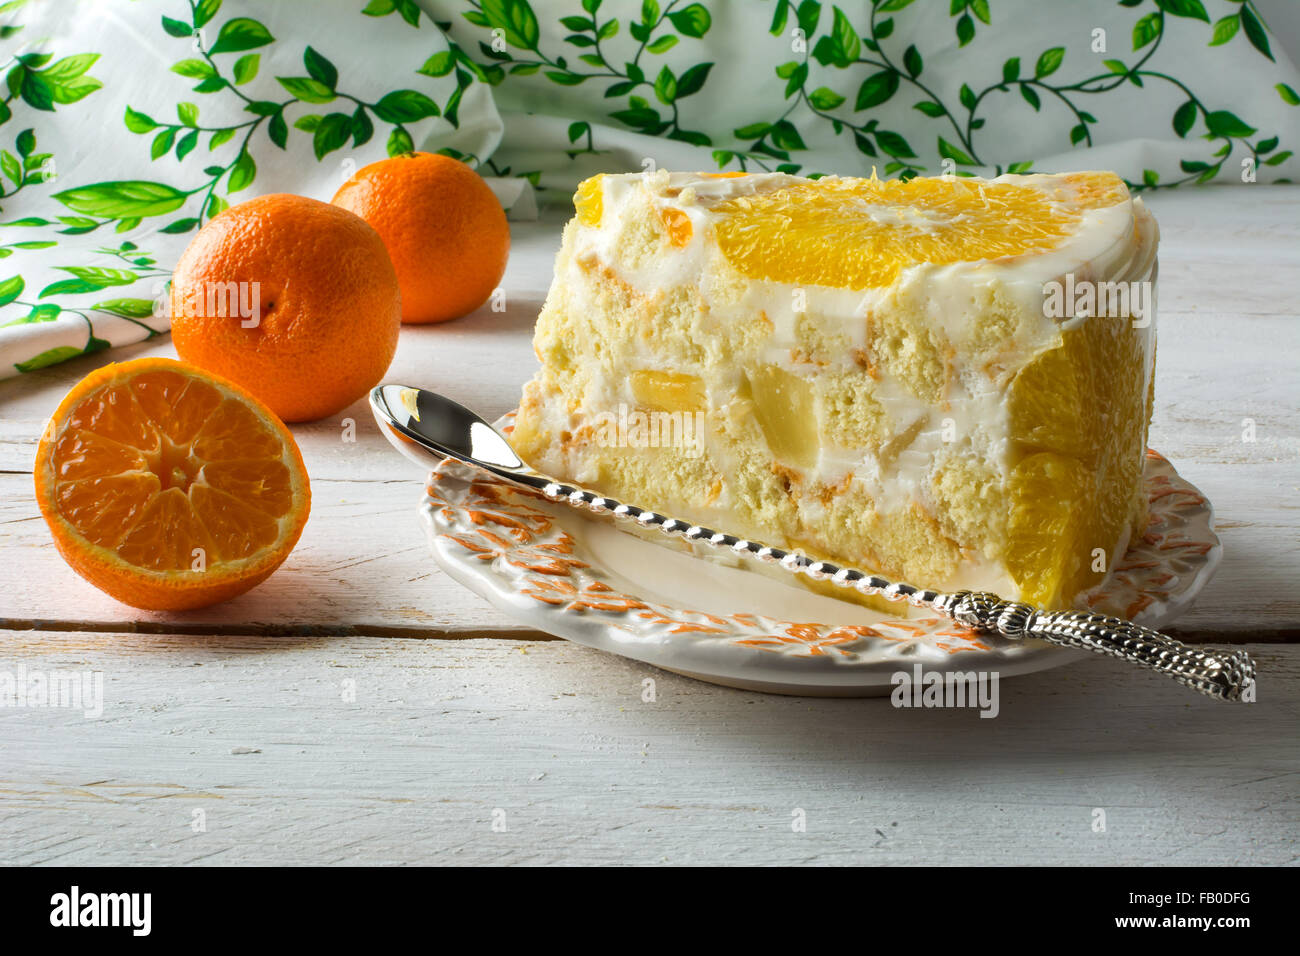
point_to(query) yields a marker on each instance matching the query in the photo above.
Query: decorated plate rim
(529, 557)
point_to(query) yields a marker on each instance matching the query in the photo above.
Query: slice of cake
(946, 381)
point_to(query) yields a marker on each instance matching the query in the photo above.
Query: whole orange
(292, 298)
(444, 229)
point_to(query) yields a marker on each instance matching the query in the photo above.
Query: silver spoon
(428, 428)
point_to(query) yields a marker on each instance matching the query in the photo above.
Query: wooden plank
(558, 737)
(1228, 337)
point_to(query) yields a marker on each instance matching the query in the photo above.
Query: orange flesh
(158, 466)
(861, 233)
(678, 226)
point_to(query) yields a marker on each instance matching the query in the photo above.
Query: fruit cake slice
(947, 380)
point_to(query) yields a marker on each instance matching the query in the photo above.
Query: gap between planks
(1244, 636)
(217, 629)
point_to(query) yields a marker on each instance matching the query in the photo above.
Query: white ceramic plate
(579, 577)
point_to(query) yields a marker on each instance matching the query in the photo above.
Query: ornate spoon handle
(1225, 675)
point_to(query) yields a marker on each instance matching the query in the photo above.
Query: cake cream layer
(851, 375)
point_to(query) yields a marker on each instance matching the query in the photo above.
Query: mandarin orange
(444, 229)
(324, 291)
(168, 487)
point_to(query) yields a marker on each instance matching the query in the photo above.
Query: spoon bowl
(427, 427)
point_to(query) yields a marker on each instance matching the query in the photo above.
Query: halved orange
(168, 487)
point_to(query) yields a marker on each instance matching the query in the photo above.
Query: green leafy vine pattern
(823, 80)
(856, 44)
(234, 117)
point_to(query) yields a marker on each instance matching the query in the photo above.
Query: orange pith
(444, 229)
(326, 294)
(861, 233)
(167, 487)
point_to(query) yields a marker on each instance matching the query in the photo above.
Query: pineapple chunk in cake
(907, 377)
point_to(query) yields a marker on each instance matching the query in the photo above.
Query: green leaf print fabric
(127, 124)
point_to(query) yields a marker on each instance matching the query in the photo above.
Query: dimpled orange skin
(445, 230)
(330, 305)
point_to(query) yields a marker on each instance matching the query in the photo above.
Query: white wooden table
(362, 707)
